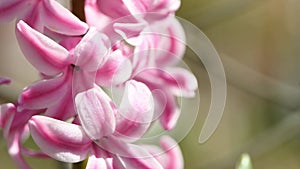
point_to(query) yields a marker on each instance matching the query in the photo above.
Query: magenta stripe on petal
(174, 158)
(60, 140)
(44, 93)
(59, 19)
(43, 53)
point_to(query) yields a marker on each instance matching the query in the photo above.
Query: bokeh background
(259, 45)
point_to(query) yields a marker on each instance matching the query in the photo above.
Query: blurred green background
(259, 45)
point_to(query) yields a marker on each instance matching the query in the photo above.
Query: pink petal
(162, 7)
(60, 140)
(7, 113)
(165, 101)
(93, 15)
(166, 6)
(129, 31)
(63, 109)
(117, 162)
(70, 43)
(19, 123)
(61, 20)
(114, 9)
(96, 113)
(43, 53)
(92, 50)
(174, 158)
(166, 39)
(174, 43)
(171, 113)
(170, 155)
(132, 156)
(135, 111)
(4, 80)
(99, 163)
(10, 9)
(44, 93)
(82, 80)
(14, 150)
(135, 6)
(177, 81)
(116, 70)
(186, 82)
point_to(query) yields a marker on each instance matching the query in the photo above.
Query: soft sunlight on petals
(135, 111)
(96, 113)
(98, 163)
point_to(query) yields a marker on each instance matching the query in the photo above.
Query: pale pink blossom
(158, 45)
(97, 138)
(75, 64)
(154, 63)
(69, 143)
(52, 96)
(133, 47)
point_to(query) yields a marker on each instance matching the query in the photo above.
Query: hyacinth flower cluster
(126, 48)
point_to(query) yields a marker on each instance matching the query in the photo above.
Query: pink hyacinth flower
(69, 143)
(154, 63)
(97, 116)
(129, 155)
(49, 134)
(74, 63)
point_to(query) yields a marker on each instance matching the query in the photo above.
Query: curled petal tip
(42, 52)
